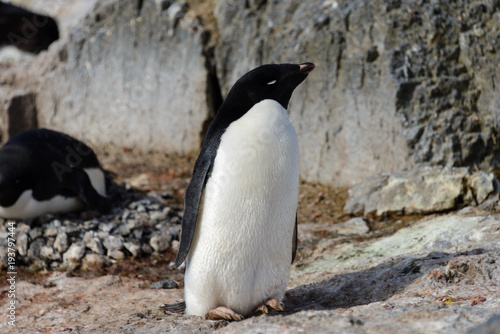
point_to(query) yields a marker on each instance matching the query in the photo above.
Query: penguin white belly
(242, 247)
(27, 207)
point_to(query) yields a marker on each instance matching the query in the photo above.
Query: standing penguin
(239, 229)
(44, 171)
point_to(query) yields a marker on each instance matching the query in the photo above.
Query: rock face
(399, 83)
(130, 80)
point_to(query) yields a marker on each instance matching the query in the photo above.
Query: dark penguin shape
(44, 171)
(26, 30)
(239, 229)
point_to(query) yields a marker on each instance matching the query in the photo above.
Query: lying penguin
(44, 171)
(239, 229)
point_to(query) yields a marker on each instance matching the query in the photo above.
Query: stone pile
(143, 227)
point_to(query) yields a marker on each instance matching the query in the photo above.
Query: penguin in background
(26, 30)
(44, 171)
(239, 228)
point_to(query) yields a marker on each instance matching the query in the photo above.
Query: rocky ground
(414, 274)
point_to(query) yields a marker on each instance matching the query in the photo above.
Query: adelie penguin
(44, 171)
(239, 229)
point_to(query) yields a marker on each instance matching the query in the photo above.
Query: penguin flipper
(294, 240)
(191, 206)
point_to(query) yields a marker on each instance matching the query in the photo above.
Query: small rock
(160, 242)
(22, 244)
(55, 223)
(123, 229)
(157, 216)
(352, 227)
(74, 253)
(116, 254)
(126, 215)
(147, 249)
(113, 243)
(61, 243)
(164, 284)
(93, 242)
(133, 223)
(35, 233)
(50, 231)
(90, 225)
(175, 246)
(71, 227)
(137, 233)
(106, 227)
(48, 253)
(102, 235)
(133, 248)
(93, 262)
(35, 248)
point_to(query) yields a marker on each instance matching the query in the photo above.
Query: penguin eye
(272, 82)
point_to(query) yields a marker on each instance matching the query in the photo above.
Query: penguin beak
(306, 68)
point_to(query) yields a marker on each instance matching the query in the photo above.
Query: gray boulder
(421, 191)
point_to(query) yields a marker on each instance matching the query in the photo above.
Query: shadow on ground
(363, 287)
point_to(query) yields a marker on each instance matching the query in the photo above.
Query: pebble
(22, 244)
(35, 233)
(50, 231)
(160, 242)
(123, 229)
(106, 227)
(116, 254)
(74, 253)
(61, 242)
(133, 248)
(49, 253)
(165, 284)
(93, 242)
(158, 216)
(34, 248)
(93, 262)
(113, 243)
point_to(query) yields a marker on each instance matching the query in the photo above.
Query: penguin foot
(223, 313)
(272, 303)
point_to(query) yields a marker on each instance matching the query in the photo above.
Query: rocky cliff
(398, 83)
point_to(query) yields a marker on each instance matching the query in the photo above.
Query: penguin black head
(273, 81)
